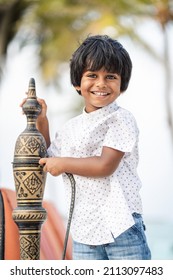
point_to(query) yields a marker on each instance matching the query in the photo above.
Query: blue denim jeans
(130, 245)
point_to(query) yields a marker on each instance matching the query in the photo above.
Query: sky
(144, 98)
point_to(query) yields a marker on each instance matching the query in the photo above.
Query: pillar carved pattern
(29, 179)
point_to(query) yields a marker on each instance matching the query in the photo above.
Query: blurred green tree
(55, 26)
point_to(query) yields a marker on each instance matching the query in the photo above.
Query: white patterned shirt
(103, 206)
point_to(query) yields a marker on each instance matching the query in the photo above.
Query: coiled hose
(73, 192)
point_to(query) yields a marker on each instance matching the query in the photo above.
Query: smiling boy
(100, 148)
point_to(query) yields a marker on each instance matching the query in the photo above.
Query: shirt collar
(102, 112)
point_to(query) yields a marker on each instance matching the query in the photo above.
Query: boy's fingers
(42, 102)
(42, 161)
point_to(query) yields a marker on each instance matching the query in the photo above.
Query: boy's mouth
(99, 93)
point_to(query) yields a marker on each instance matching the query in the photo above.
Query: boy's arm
(43, 127)
(42, 121)
(97, 166)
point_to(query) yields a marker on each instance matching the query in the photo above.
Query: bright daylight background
(144, 98)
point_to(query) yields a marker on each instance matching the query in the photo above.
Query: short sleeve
(122, 132)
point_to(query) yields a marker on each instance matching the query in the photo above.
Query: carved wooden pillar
(29, 180)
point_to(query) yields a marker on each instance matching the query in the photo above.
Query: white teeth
(100, 93)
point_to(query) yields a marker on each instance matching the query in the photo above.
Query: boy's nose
(101, 83)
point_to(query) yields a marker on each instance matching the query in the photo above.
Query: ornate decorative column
(29, 180)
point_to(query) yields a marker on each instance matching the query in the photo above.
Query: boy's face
(99, 88)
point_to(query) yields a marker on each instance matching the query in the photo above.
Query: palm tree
(162, 10)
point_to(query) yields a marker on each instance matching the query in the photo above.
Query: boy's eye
(91, 75)
(111, 77)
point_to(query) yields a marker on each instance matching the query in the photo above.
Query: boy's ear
(77, 88)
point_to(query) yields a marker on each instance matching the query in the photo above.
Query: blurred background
(37, 39)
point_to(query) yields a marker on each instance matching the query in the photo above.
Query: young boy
(100, 148)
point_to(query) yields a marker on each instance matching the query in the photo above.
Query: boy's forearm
(96, 166)
(43, 127)
(88, 167)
